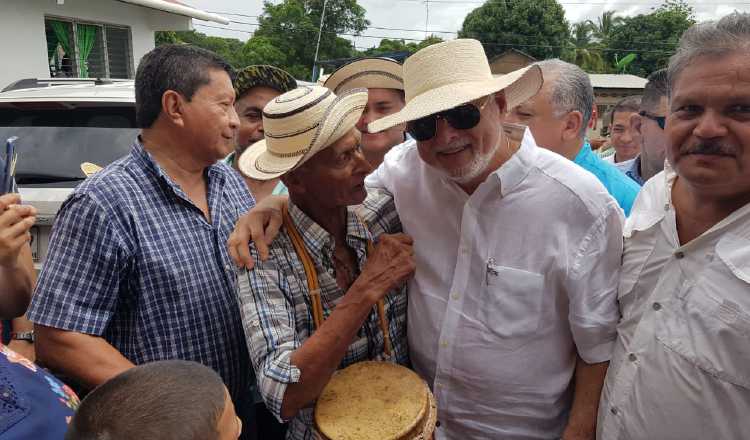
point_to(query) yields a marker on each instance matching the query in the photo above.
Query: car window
(53, 143)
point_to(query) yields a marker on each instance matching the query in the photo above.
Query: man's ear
(172, 107)
(635, 123)
(293, 181)
(573, 124)
(502, 104)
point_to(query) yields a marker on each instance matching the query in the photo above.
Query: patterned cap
(264, 76)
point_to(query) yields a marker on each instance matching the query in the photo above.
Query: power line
(548, 46)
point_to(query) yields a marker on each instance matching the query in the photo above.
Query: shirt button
(444, 344)
(632, 357)
(679, 255)
(255, 323)
(656, 306)
(613, 410)
(455, 296)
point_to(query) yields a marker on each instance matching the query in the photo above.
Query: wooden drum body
(375, 401)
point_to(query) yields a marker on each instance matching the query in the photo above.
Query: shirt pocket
(511, 309)
(714, 335)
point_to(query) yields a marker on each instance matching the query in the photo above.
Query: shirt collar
(635, 171)
(318, 241)
(515, 169)
(584, 153)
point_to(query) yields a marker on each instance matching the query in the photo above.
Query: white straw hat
(299, 124)
(368, 73)
(449, 74)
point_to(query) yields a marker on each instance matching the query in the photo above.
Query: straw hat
(299, 124)
(367, 73)
(449, 74)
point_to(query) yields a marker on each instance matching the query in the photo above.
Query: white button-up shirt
(681, 366)
(510, 281)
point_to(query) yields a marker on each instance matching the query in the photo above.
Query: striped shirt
(133, 260)
(276, 308)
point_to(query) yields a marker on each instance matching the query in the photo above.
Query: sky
(441, 17)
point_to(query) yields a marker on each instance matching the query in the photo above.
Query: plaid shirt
(133, 260)
(276, 308)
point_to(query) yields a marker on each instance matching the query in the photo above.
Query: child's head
(166, 400)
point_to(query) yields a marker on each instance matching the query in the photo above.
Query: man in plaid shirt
(138, 268)
(297, 339)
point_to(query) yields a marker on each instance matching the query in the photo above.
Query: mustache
(453, 145)
(710, 148)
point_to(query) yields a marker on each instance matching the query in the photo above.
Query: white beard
(472, 170)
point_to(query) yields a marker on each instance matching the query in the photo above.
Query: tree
(289, 31)
(652, 37)
(387, 46)
(605, 25)
(536, 27)
(582, 50)
(228, 48)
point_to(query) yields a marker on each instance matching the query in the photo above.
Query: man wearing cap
(256, 86)
(512, 309)
(382, 77)
(309, 308)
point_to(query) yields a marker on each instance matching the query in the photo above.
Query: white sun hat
(368, 73)
(449, 74)
(298, 124)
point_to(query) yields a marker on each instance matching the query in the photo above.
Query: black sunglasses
(463, 117)
(661, 120)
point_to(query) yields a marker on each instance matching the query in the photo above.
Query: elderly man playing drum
(512, 308)
(332, 292)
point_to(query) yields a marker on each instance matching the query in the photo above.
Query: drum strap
(314, 286)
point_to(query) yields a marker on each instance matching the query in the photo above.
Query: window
(87, 50)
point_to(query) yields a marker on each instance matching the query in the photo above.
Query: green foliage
(291, 29)
(387, 46)
(536, 27)
(581, 49)
(622, 64)
(228, 48)
(653, 37)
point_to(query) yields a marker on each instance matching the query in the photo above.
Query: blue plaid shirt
(277, 311)
(133, 260)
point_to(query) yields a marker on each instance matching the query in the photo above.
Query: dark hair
(166, 400)
(177, 67)
(630, 104)
(656, 88)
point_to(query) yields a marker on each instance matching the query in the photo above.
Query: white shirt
(509, 281)
(623, 166)
(681, 367)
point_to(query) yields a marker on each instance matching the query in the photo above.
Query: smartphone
(9, 165)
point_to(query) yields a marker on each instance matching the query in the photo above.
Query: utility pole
(427, 17)
(317, 46)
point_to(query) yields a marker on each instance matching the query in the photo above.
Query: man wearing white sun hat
(512, 308)
(308, 309)
(382, 77)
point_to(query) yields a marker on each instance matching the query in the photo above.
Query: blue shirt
(619, 186)
(635, 171)
(133, 260)
(35, 405)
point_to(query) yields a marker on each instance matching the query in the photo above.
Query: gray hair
(571, 89)
(656, 88)
(729, 34)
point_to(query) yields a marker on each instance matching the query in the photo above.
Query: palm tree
(605, 25)
(581, 49)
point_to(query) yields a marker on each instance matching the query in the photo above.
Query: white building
(85, 38)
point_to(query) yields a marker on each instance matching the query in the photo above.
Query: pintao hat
(262, 75)
(368, 73)
(449, 74)
(298, 124)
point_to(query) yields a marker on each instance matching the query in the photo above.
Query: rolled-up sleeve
(268, 320)
(78, 288)
(592, 287)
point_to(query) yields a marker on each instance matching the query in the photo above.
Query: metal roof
(122, 91)
(611, 81)
(175, 7)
